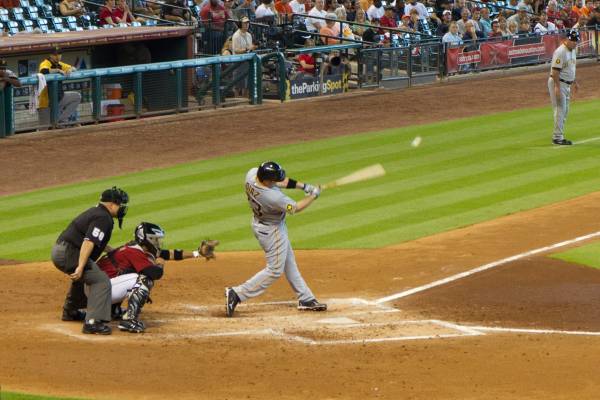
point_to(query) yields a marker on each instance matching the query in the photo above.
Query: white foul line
(539, 331)
(484, 268)
(579, 142)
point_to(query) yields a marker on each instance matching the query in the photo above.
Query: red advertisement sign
(526, 50)
(469, 57)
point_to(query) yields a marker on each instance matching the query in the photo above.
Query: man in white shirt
(298, 6)
(423, 14)
(315, 24)
(376, 11)
(562, 78)
(544, 27)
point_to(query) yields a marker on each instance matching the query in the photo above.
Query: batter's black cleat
(132, 325)
(96, 328)
(73, 315)
(232, 300)
(311, 305)
(562, 142)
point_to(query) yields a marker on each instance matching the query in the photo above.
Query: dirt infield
(441, 343)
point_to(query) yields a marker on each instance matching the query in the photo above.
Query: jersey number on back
(256, 207)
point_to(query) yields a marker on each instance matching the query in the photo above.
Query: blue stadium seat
(4, 16)
(24, 3)
(16, 14)
(39, 3)
(26, 25)
(71, 23)
(123, 25)
(92, 28)
(195, 11)
(107, 26)
(13, 27)
(31, 12)
(85, 21)
(135, 23)
(150, 22)
(46, 12)
(56, 24)
(42, 23)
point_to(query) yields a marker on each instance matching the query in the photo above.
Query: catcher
(134, 267)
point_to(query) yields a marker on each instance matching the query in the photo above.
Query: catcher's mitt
(207, 249)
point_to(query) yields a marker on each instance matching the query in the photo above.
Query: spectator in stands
(361, 18)
(495, 32)
(328, 32)
(485, 22)
(247, 9)
(464, 18)
(72, 8)
(122, 14)
(306, 61)
(513, 28)
(177, 11)
(566, 18)
(105, 17)
(284, 8)
(543, 26)
(452, 37)
(313, 23)
(266, 12)
(552, 11)
(399, 7)
(475, 18)
(420, 7)
(471, 34)
(520, 15)
(457, 10)
(595, 19)
(298, 6)
(214, 16)
(524, 27)
(414, 22)
(580, 9)
(68, 102)
(241, 43)
(511, 8)
(227, 49)
(389, 19)
(528, 6)
(443, 28)
(365, 4)
(371, 34)
(503, 24)
(349, 9)
(376, 10)
(581, 22)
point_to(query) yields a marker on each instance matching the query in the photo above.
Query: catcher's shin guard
(139, 295)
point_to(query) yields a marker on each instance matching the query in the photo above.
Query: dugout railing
(136, 91)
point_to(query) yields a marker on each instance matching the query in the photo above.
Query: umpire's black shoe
(232, 300)
(96, 328)
(73, 315)
(132, 325)
(311, 305)
(562, 142)
(116, 312)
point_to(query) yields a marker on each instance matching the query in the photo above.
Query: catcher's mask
(271, 171)
(119, 197)
(150, 236)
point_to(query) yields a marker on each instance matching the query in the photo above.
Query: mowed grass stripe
(455, 156)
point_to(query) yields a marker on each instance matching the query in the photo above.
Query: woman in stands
(106, 14)
(122, 14)
(72, 8)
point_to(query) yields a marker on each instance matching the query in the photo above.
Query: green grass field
(22, 396)
(585, 255)
(465, 171)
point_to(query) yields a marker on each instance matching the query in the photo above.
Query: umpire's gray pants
(66, 257)
(560, 107)
(280, 258)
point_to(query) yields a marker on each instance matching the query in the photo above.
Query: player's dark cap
(573, 35)
(271, 171)
(56, 50)
(3, 63)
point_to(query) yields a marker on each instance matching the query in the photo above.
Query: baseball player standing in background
(75, 252)
(562, 78)
(270, 207)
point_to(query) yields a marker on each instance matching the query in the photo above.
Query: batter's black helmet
(151, 236)
(271, 171)
(573, 35)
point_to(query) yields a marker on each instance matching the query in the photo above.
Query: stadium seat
(42, 23)
(26, 25)
(16, 14)
(71, 23)
(85, 21)
(46, 12)
(56, 24)
(107, 26)
(196, 11)
(92, 28)
(135, 23)
(122, 25)
(4, 16)
(23, 3)
(39, 3)
(150, 22)
(31, 12)
(13, 27)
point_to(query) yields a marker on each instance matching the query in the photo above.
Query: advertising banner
(304, 87)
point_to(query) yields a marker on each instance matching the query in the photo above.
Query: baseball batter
(562, 78)
(270, 207)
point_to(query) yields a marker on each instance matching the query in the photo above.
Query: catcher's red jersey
(128, 258)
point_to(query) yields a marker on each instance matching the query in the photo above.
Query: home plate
(338, 321)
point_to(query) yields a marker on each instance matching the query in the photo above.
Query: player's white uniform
(270, 207)
(565, 60)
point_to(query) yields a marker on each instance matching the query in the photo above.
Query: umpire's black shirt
(95, 224)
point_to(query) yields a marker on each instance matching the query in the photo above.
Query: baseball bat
(370, 172)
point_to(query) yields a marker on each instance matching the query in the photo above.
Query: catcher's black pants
(65, 257)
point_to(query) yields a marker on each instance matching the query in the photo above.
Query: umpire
(75, 253)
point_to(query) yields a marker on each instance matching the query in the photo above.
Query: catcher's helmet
(270, 170)
(573, 35)
(151, 236)
(117, 196)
